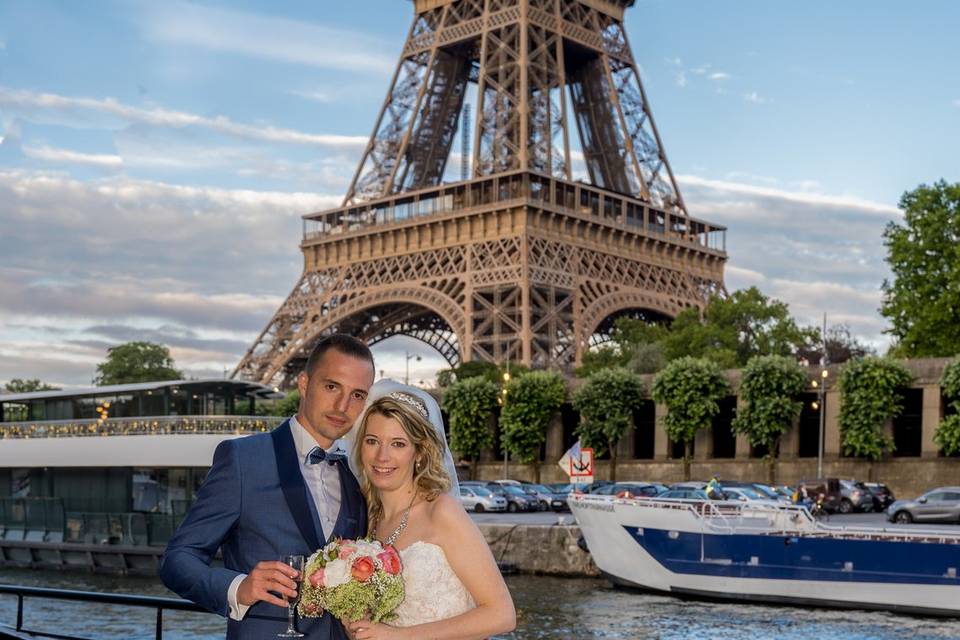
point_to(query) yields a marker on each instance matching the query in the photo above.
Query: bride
(453, 587)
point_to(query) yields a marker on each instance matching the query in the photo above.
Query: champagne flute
(295, 562)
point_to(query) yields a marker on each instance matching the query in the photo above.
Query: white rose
(336, 572)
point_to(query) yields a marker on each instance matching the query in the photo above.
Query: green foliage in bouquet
(372, 592)
(356, 600)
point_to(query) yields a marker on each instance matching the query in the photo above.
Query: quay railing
(152, 602)
(142, 426)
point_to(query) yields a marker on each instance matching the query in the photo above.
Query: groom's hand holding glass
(267, 579)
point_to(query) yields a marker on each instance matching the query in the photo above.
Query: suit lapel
(291, 482)
(352, 520)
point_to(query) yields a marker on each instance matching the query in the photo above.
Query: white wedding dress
(433, 590)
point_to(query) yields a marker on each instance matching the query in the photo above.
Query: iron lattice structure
(521, 262)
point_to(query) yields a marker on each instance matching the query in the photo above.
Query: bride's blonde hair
(430, 477)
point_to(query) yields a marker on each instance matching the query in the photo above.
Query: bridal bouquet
(352, 579)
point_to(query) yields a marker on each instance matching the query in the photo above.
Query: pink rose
(316, 578)
(346, 551)
(391, 560)
(363, 568)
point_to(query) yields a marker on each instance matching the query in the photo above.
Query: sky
(156, 157)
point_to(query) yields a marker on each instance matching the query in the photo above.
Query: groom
(267, 495)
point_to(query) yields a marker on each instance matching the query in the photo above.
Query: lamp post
(406, 376)
(821, 388)
(820, 404)
(502, 401)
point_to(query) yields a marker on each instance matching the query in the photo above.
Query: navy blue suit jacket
(255, 506)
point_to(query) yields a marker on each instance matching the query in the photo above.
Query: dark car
(882, 495)
(560, 492)
(840, 495)
(517, 498)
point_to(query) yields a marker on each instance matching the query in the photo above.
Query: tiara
(413, 401)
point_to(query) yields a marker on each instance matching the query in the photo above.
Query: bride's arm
(470, 558)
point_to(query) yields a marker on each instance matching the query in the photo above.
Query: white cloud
(956, 102)
(817, 252)
(66, 156)
(259, 36)
(315, 95)
(681, 79)
(719, 76)
(754, 98)
(801, 197)
(161, 117)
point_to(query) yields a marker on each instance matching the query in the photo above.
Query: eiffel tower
(518, 261)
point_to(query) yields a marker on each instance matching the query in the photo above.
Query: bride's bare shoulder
(447, 513)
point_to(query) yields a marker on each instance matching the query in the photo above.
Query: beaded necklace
(392, 538)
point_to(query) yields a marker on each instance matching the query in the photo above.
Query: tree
(472, 369)
(736, 328)
(769, 388)
(136, 362)
(606, 403)
(17, 385)
(870, 396)
(531, 401)
(947, 435)
(922, 301)
(841, 346)
(729, 331)
(691, 389)
(469, 404)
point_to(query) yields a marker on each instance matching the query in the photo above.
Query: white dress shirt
(323, 484)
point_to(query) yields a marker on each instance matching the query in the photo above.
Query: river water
(547, 608)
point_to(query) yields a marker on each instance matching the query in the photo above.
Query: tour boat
(769, 553)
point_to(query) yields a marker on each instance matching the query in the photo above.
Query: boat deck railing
(151, 602)
(722, 516)
(140, 426)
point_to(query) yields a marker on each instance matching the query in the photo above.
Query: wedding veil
(385, 387)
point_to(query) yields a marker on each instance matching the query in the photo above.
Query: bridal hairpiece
(413, 401)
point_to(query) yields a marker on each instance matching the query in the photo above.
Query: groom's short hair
(345, 344)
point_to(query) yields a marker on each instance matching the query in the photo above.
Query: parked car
(687, 493)
(840, 495)
(938, 505)
(689, 484)
(748, 494)
(765, 490)
(542, 493)
(628, 489)
(882, 495)
(560, 492)
(517, 499)
(479, 499)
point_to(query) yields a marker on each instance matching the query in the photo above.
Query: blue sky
(156, 156)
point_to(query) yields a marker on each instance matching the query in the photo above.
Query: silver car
(938, 505)
(479, 499)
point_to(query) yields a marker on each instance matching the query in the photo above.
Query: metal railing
(152, 602)
(144, 426)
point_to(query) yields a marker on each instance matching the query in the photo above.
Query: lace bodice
(433, 590)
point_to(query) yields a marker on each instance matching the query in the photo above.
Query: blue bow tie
(318, 455)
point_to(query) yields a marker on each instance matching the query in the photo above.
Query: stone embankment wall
(539, 549)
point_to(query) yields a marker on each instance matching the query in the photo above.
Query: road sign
(578, 464)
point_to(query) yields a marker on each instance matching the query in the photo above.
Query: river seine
(548, 608)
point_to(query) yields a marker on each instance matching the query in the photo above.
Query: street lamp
(502, 401)
(406, 377)
(820, 405)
